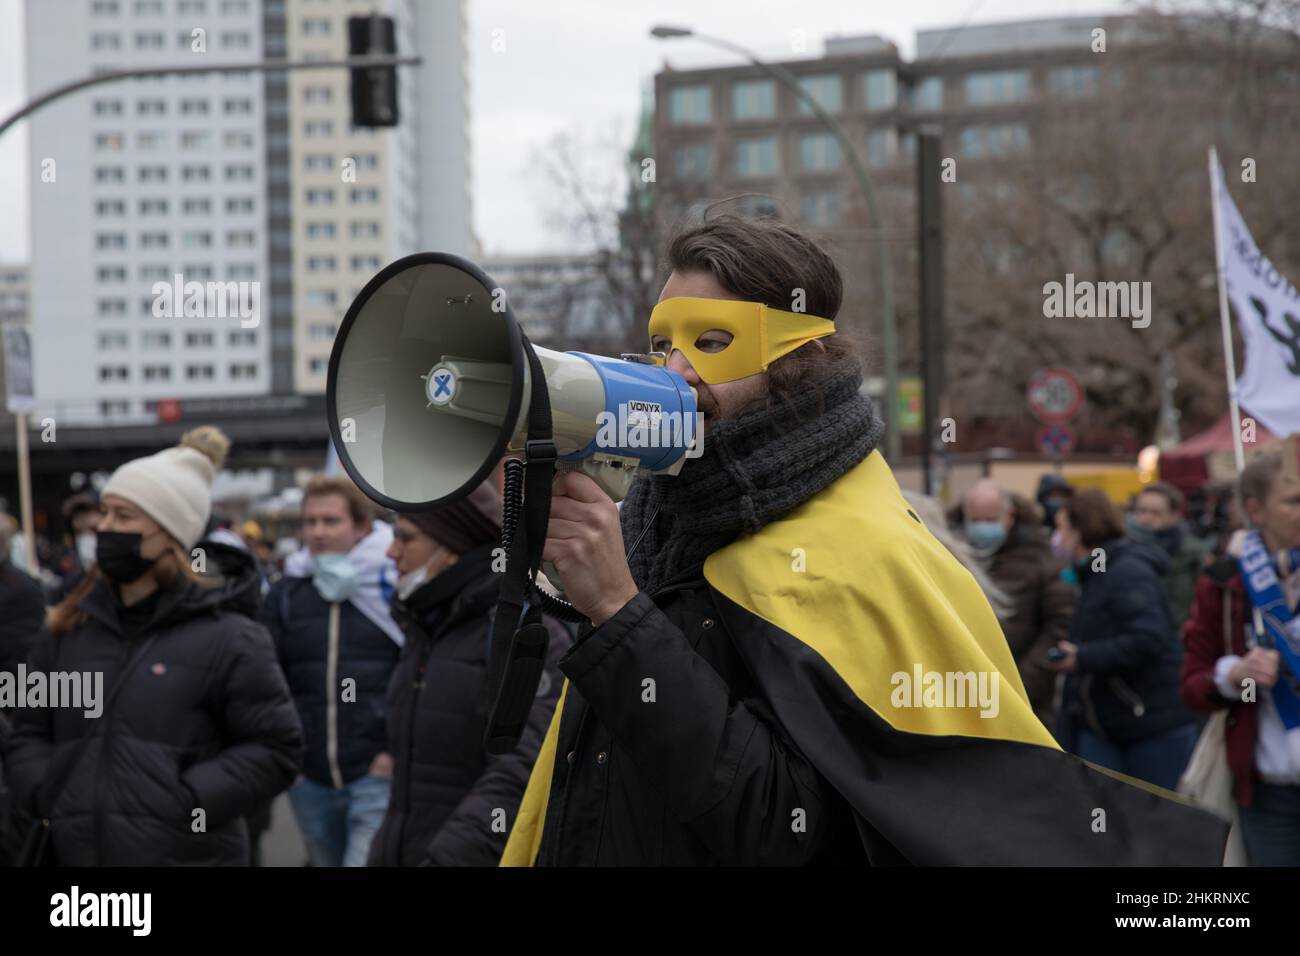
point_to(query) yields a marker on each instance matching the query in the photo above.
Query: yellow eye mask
(759, 334)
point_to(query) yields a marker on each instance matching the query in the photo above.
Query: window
(236, 107)
(110, 207)
(360, 196)
(104, 8)
(152, 174)
(148, 8)
(880, 89)
(110, 240)
(882, 146)
(315, 27)
(241, 239)
(148, 41)
(319, 366)
(153, 240)
(318, 162)
(239, 172)
(154, 272)
(110, 174)
(108, 107)
(825, 91)
(198, 340)
(318, 128)
(320, 197)
(321, 331)
(753, 99)
(243, 370)
(198, 373)
(196, 139)
(191, 6)
(1073, 82)
(366, 161)
(689, 104)
(317, 94)
(321, 264)
(109, 141)
(196, 174)
(109, 409)
(155, 340)
(322, 297)
(692, 161)
(238, 204)
(194, 271)
(235, 40)
(320, 230)
(105, 41)
(151, 108)
(819, 152)
(988, 87)
(153, 207)
(150, 140)
(196, 207)
(229, 7)
(242, 337)
(111, 307)
(756, 156)
(194, 107)
(996, 140)
(927, 95)
(365, 263)
(245, 270)
(111, 274)
(114, 373)
(362, 230)
(237, 139)
(157, 373)
(196, 240)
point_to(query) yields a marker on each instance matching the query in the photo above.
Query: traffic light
(374, 88)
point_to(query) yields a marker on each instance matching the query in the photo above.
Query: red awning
(1187, 465)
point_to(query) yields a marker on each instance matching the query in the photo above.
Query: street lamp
(889, 334)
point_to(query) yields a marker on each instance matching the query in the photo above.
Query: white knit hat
(174, 487)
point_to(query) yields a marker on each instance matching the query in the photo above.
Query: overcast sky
(569, 65)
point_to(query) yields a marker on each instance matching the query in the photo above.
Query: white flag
(1268, 311)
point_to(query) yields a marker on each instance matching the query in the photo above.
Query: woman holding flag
(1242, 651)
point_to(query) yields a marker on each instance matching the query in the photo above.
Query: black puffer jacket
(1126, 685)
(22, 612)
(203, 722)
(451, 801)
(299, 621)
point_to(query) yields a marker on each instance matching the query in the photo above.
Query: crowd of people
(724, 704)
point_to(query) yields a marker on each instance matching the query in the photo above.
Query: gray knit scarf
(756, 467)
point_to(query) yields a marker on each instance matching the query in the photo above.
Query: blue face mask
(334, 576)
(985, 536)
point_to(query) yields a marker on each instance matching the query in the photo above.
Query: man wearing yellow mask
(769, 679)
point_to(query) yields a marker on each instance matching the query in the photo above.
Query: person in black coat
(1120, 706)
(451, 801)
(202, 730)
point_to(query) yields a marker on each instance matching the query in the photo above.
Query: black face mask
(118, 555)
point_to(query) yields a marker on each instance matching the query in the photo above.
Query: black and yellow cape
(835, 599)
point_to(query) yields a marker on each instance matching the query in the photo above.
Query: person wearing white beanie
(189, 717)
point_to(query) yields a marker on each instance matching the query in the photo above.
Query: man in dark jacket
(451, 800)
(338, 645)
(1157, 520)
(1121, 706)
(750, 688)
(1009, 540)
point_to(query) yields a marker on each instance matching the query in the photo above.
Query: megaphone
(431, 382)
(429, 387)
